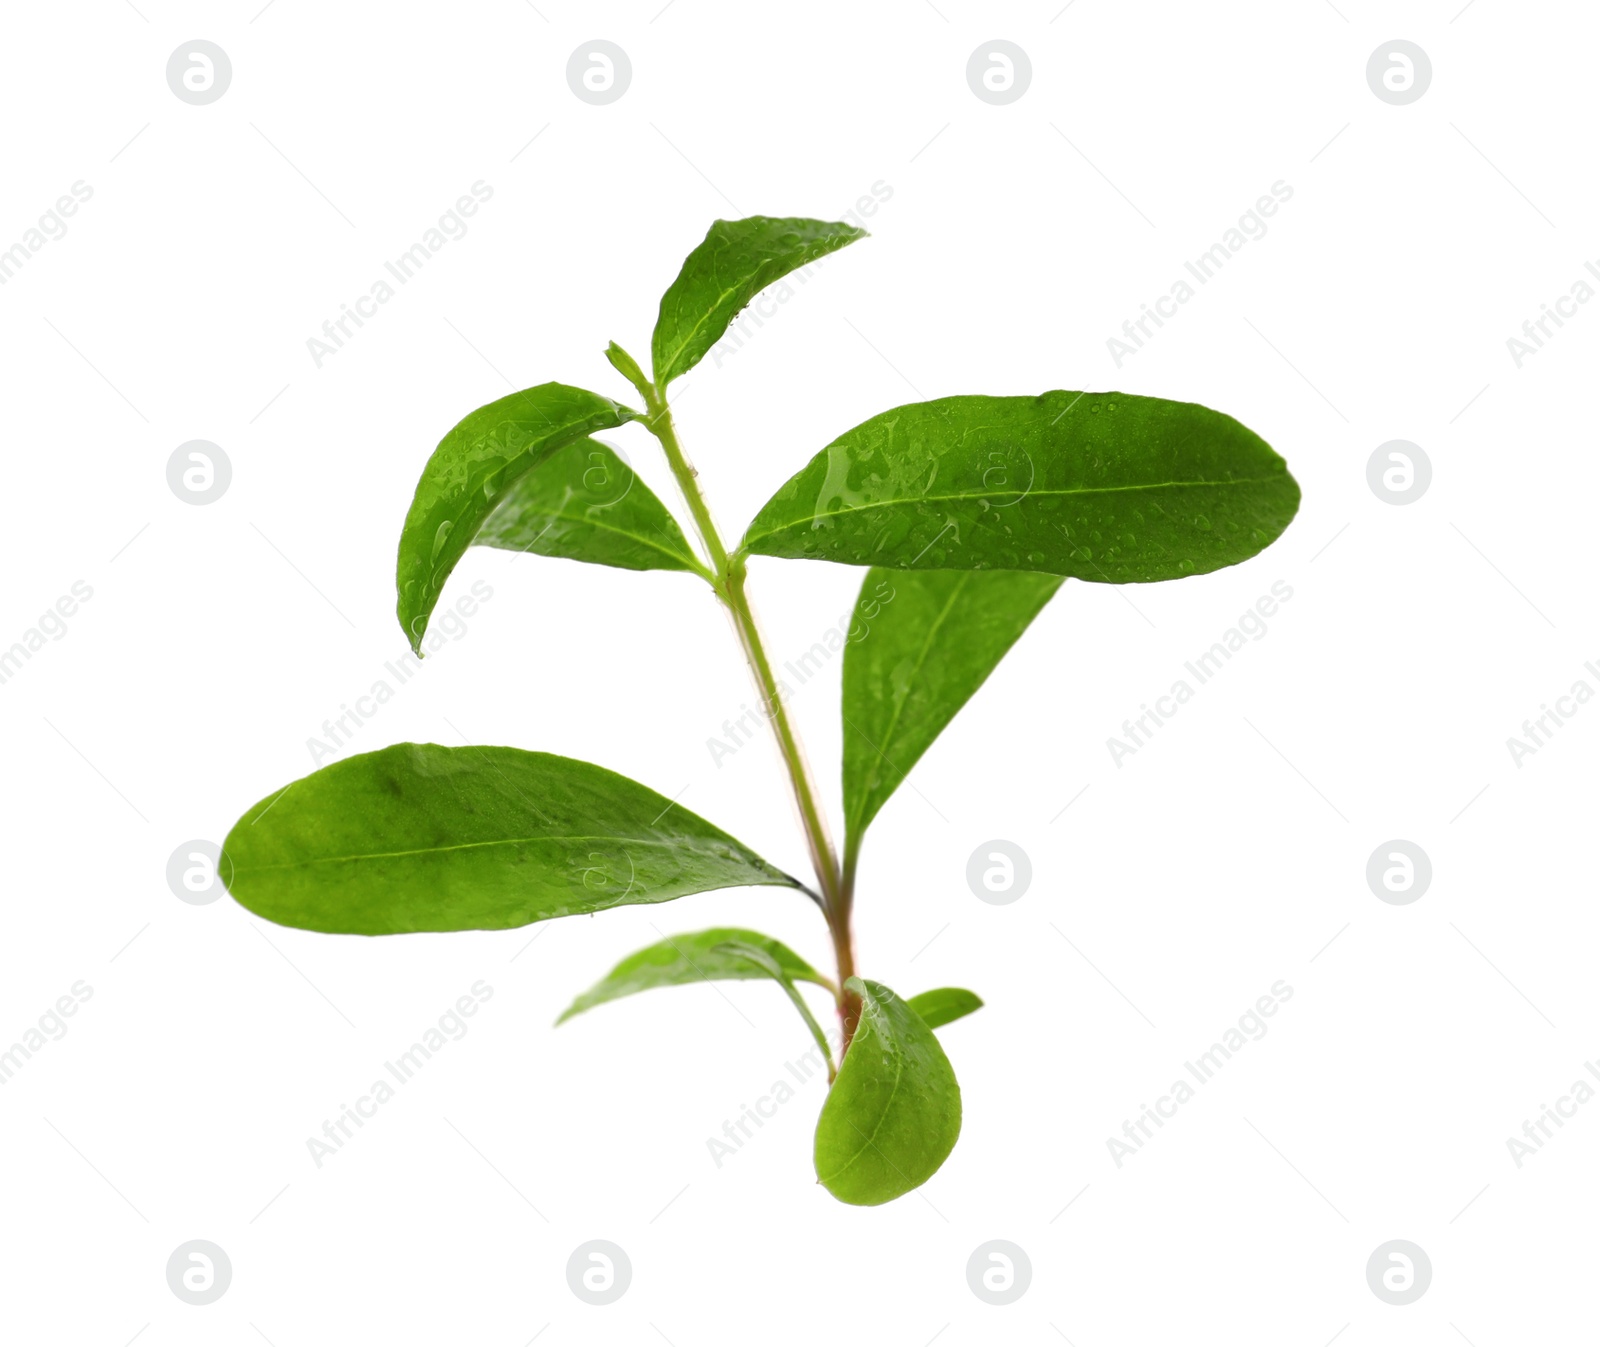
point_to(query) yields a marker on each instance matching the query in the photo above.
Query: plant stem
(729, 583)
(815, 826)
(836, 903)
(661, 426)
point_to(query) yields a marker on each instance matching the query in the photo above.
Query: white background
(1224, 856)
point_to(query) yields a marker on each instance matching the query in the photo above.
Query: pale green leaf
(894, 1112)
(942, 1005)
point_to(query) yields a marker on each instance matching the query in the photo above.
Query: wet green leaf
(721, 954)
(586, 503)
(1106, 487)
(475, 466)
(417, 837)
(923, 643)
(894, 1112)
(942, 1005)
(737, 260)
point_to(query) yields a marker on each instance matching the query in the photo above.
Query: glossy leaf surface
(720, 954)
(894, 1112)
(1102, 486)
(931, 639)
(586, 503)
(943, 1005)
(736, 261)
(474, 468)
(418, 837)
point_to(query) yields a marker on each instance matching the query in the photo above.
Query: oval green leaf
(737, 260)
(419, 837)
(931, 640)
(1106, 487)
(586, 503)
(894, 1112)
(695, 956)
(475, 466)
(942, 1005)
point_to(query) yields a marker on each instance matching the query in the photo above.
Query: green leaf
(942, 1005)
(737, 260)
(475, 466)
(926, 642)
(721, 954)
(586, 503)
(416, 837)
(627, 367)
(1102, 486)
(894, 1113)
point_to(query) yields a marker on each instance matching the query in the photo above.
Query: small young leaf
(720, 954)
(417, 837)
(934, 637)
(894, 1113)
(1102, 486)
(737, 260)
(942, 1005)
(471, 472)
(586, 503)
(627, 367)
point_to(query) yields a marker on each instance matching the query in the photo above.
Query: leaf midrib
(462, 846)
(669, 366)
(560, 512)
(977, 495)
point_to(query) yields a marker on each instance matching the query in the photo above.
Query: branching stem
(728, 580)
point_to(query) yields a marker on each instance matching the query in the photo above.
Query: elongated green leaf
(1103, 486)
(586, 503)
(720, 954)
(471, 472)
(927, 640)
(737, 260)
(940, 1006)
(416, 837)
(894, 1113)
